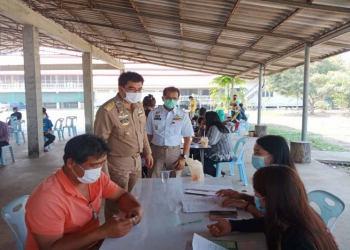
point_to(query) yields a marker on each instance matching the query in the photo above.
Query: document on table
(202, 205)
(200, 243)
(207, 190)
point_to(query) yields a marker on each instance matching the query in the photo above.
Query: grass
(291, 134)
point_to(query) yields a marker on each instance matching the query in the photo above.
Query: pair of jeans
(209, 167)
(50, 138)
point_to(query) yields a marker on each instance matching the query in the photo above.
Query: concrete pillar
(88, 93)
(260, 93)
(305, 93)
(32, 79)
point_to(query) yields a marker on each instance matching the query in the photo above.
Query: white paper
(211, 188)
(200, 243)
(205, 204)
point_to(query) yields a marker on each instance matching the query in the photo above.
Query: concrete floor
(21, 177)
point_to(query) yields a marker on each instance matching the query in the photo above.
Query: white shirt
(167, 127)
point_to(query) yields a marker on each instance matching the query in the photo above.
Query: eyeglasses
(171, 98)
(133, 90)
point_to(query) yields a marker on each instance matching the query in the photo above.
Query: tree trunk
(312, 108)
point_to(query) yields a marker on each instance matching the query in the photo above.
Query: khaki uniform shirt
(125, 130)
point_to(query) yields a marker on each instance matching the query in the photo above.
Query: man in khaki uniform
(122, 122)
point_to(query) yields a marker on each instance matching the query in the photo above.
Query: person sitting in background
(44, 112)
(16, 114)
(47, 127)
(269, 149)
(220, 142)
(62, 212)
(149, 103)
(242, 111)
(290, 222)
(4, 134)
(235, 119)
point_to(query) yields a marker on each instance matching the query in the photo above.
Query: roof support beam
(19, 12)
(309, 6)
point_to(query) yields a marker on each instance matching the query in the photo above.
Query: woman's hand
(228, 193)
(229, 202)
(222, 227)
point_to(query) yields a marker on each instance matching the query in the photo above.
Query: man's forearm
(78, 240)
(126, 202)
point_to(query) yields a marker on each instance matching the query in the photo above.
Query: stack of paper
(202, 205)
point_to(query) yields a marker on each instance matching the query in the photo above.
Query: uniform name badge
(124, 120)
(157, 117)
(177, 118)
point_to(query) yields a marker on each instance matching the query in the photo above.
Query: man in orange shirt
(62, 212)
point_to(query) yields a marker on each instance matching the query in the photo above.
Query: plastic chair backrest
(330, 206)
(59, 124)
(70, 121)
(13, 213)
(243, 140)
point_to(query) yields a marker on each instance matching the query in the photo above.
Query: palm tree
(221, 93)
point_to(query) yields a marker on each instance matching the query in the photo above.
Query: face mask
(258, 161)
(258, 205)
(90, 176)
(44, 116)
(14, 111)
(132, 97)
(195, 114)
(170, 104)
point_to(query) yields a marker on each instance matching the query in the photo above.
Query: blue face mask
(258, 161)
(170, 104)
(258, 205)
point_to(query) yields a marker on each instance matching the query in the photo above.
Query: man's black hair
(81, 147)
(129, 76)
(171, 89)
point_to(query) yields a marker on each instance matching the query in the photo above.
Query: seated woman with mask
(220, 142)
(290, 222)
(269, 149)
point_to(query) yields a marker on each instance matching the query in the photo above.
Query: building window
(263, 94)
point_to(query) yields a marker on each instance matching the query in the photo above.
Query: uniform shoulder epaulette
(109, 106)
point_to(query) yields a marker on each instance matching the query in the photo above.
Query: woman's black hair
(149, 101)
(213, 119)
(277, 146)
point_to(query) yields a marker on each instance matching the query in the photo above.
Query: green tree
(327, 80)
(221, 92)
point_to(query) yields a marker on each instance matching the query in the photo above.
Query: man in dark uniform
(122, 122)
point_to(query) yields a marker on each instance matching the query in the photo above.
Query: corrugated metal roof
(220, 37)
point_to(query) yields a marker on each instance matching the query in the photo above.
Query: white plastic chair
(330, 206)
(239, 161)
(13, 214)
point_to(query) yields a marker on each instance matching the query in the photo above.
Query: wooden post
(260, 130)
(300, 151)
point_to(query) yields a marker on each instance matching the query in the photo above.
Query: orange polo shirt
(57, 207)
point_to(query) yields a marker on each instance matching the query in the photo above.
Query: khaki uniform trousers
(164, 158)
(125, 171)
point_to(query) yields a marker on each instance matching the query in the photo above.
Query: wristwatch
(184, 156)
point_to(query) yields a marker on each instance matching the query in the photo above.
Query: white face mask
(90, 176)
(44, 116)
(132, 97)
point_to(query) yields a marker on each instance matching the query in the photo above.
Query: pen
(191, 222)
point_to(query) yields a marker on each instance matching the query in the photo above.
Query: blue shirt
(167, 127)
(47, 124)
